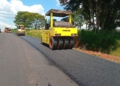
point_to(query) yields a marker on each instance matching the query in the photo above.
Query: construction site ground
(101, 55)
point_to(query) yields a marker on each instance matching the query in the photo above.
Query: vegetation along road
(24, 65)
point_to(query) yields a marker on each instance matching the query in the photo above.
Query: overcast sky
(9, 8)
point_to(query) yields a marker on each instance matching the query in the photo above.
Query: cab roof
(58, 13)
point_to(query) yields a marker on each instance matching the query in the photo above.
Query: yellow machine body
(60, 36)
(58, 32)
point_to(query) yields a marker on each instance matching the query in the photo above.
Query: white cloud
(7, 25)
(10, 9)
(17, 5)
(58, 3)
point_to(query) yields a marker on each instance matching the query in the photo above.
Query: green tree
(37, 20)
(102, 14)
(28, 19)
(78, 19)
(21, 17)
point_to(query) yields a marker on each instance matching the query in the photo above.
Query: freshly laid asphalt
(84, 69)
(23, 65)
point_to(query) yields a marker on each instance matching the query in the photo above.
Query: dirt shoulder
(101, 55)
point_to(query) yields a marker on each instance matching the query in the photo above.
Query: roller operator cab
(20, 30)
(59, 34)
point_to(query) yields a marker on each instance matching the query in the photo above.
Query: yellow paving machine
(59, 34)
(20, 30)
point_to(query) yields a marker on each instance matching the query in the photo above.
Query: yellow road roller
(59, 34)
(20, 30)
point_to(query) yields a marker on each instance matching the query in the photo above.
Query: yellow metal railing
(51, 19)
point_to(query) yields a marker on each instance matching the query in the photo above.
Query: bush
(14, 30)
(33, 33)
(101, 41)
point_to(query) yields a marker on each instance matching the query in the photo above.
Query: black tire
(53, 43)
(66, 43)
(71, 45)
(60, 43)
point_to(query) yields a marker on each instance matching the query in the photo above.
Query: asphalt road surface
(26, 65)
(85, 69)
(23, 65)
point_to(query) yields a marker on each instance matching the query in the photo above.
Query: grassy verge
(117, 51)
(29, 32)
(33, 33)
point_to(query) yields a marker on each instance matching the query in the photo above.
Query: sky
(9, 8)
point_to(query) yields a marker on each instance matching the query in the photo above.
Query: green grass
(30, 32)
(117, 51)
(14, 31)
(33, 33)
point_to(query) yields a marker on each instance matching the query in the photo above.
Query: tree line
(29, 19)
(102, 17)
(98, 14)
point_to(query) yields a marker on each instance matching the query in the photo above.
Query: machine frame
(59, 34)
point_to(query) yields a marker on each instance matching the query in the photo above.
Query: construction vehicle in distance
(59, 34)
(7, 30)
(20, 30)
